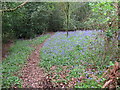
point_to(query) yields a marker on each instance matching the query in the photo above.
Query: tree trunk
(67, 17)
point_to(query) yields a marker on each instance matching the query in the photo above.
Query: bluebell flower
(90, 78)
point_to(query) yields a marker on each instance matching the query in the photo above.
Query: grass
(16, 59)
(82, 52)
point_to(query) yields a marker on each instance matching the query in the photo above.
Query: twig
(107, 83)
(104, 74)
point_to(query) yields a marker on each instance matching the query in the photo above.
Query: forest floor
(32, 75)
(5, 49)
(54, 61)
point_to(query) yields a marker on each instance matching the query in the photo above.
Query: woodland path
(32, 75)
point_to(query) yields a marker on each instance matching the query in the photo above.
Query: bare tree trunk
(67, 17)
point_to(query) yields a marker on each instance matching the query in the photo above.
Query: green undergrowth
(17, 57)
(81, 52)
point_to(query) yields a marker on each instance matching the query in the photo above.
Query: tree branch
(9, 10)
(107, 83)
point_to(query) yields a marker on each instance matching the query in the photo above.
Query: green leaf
(111, 63)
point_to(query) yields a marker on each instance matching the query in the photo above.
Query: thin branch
(9, 10)
(107, 83)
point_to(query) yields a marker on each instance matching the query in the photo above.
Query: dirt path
(5, 49)
(32, 75)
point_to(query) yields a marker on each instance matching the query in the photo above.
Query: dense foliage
(36, 18)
